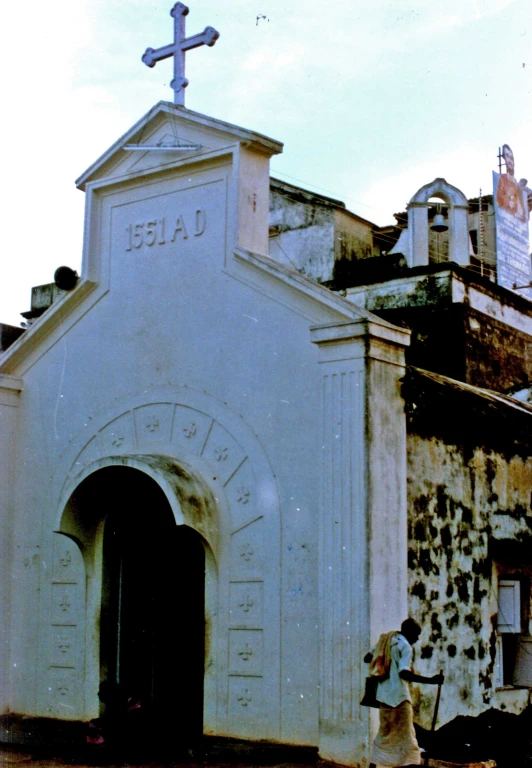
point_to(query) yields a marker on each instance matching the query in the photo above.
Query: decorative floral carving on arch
(194, 447)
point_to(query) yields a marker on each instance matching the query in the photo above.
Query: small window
(513, 650)
(509, 607)
(523, 662)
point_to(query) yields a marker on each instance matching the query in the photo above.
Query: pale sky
(372, 99)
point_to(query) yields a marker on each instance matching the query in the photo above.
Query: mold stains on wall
(495, 355)
(463, 501)
(454, 339)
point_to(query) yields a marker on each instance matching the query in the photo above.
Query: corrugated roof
(496, 398)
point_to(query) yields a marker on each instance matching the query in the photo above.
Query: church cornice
(161, 111)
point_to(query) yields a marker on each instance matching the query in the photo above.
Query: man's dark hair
(410, 626)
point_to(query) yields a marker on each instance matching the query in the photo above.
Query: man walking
(391, 661)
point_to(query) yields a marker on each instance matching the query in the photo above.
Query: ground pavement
(214, 753)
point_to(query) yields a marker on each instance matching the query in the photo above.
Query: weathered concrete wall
(466, 344)
(427, 289)
(315, 235)
(496, 356)
(302, 233)
(353, 242)
(460, 327)
(462, 499)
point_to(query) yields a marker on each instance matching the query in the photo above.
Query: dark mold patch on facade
(476, 499)
(418, 590)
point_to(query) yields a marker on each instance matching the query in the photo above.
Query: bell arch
(418, 250)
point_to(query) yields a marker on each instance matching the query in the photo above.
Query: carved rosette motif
(244, 697)
(63, 646)
(243, 494)
(247, 604)
(222, 454)
(190, 431)
(64, 603)
(246, 552)
(66, 559)
(245, 653)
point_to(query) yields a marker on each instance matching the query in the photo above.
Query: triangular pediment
(198, 226)
(169, 133)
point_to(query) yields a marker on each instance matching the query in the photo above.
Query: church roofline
(325, 296)
(305, 195)
(256, 141)
(36, 336)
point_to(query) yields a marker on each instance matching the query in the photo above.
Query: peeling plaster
(461, 502)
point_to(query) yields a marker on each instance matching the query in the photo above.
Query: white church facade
(256, 432)
(204, 494)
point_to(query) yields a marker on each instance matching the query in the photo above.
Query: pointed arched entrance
(152, 620)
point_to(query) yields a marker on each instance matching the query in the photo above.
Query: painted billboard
(511, 227)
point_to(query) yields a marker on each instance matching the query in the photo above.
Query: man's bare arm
(411, 677)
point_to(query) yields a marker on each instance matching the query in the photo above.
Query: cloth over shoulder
(382, 656)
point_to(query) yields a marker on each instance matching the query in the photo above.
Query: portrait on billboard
(510, 199)
(509, 192)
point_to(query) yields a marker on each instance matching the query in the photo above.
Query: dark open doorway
(152, 631)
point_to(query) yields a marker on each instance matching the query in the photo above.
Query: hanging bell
(438, 223)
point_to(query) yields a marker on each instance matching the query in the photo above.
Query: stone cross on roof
(178, 48)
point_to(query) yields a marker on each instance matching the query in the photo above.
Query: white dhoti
(396, 742)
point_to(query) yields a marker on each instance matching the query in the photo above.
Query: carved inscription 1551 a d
(167, 229)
